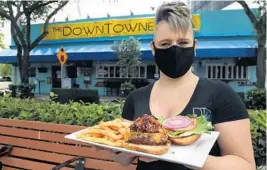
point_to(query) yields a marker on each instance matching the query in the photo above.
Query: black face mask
(174, 61)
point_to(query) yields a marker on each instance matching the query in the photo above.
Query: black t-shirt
(214, 99)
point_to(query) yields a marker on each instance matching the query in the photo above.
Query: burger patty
(148, 139)
(146, 124)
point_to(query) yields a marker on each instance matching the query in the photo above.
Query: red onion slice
(177, 122)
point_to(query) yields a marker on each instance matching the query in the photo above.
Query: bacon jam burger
(185, 130)
(147, 135)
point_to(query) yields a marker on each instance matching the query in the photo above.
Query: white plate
(193, 155)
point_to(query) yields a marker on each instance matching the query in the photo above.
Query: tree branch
(14, 23)
(45, 30)
(38, 5)
(4, 14)
(28, 23)
(18, 45)
(19, 13)
(249, 13)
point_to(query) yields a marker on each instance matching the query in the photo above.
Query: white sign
(66, 83)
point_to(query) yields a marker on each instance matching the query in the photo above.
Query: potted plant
(126, 88)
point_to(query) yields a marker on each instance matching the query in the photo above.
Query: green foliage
(256, 99)
(258, 132)
(128, 53)
(5, 69)
(2, 45)
(73, 113)
(127, 86)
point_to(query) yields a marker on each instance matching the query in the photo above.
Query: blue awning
(205, 49)
(226, 48)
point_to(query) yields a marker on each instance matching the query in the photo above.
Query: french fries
(113, 133)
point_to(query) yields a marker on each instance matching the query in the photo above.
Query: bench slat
(20, 163)
(10, 168)
(30, 141)
(58, 158)
(54, 147)
(33, 134)
(40, 125)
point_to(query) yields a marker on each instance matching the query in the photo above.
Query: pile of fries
(113, 133)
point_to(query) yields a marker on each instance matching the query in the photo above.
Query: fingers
(191, 167)
(146, 159)
(95, 148)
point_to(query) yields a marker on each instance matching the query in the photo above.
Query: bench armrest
(79, 163)
(5, 150)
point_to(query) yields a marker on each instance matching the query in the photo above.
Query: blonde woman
(179, 92)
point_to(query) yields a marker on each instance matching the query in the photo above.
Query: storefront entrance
(56, 76)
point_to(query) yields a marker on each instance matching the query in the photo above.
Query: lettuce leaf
(161, 120)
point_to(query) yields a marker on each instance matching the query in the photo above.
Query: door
(56, 76)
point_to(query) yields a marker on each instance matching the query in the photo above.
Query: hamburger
(147, 135)
(185, 130)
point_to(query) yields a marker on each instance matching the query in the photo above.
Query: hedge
(74, 113)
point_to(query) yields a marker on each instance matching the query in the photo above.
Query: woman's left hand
(147, 159)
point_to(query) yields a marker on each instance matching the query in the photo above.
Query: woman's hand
(121, 157)
(147, 159)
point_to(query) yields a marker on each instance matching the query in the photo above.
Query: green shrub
(258, 132)
(256, 99)
(73, 113)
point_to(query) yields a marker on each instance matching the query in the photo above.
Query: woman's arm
(236, 147)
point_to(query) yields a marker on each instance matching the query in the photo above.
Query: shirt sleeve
(128, 108)
(228, 105)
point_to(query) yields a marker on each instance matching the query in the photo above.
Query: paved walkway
(40, 97)
(4, 85)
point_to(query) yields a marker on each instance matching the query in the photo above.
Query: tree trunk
(261, 66)
(24, 75)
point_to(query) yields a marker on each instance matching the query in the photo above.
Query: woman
(179, 92)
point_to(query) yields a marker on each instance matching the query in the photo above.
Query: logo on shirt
(202, 111)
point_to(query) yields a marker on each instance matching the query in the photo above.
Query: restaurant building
(226, 51)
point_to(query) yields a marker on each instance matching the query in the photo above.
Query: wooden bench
(42, 146)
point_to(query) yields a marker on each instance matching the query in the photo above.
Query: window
(114, 71)
(72, 71)
(151, 71)
(32, 72)
(226, 72)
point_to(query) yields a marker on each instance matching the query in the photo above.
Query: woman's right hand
(121, 157)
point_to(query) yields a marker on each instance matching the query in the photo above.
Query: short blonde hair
(176, 14)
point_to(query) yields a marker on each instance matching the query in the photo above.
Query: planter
(13, 89)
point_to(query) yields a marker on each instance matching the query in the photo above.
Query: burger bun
(183, 141)
(151, 149)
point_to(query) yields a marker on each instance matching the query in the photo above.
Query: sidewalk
(40, 97)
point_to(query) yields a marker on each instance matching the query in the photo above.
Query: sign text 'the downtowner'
(106, 28)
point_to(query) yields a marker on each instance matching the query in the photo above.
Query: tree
(258, 21)
(21, 14)
(128, 53)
